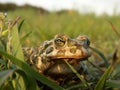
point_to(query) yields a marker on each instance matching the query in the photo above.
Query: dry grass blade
(114, 28)
(11, 24)
(115, 57)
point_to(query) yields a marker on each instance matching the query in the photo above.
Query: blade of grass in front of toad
(102, 81)
(29, 81)
(4, 75)
(101, 55)
(16, 50)
(113, 84)
(100, 84)
(79, 76)
(31, 71)
(15, 43)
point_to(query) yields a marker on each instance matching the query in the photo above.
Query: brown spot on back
(49, 50)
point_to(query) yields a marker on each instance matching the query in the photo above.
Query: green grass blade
(79, 76)
(32, 72)
(20, 26)
(101, 55)
(76, 86)
(101, 83)
(7, 86)
(15, 43)
(17, 52)
(113, 83)
(4, 75)
(18, 82)
(30, 82)
(27, 81)
(24, 37)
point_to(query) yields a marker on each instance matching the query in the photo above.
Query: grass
(34, 28)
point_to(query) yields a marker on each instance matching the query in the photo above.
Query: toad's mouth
(77, 57)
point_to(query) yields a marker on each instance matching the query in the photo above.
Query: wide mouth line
(68, 57)
(65, 59)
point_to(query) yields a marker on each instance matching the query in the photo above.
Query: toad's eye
(84, 39)
(59, 42)
(88, 41)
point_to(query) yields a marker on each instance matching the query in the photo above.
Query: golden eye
(59, 42)
(84, 39)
